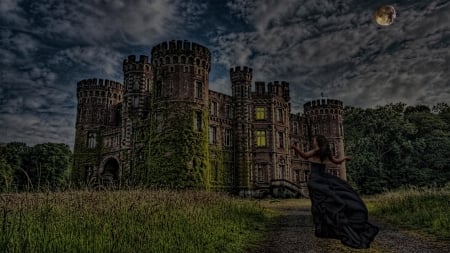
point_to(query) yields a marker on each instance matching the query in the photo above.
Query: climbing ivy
(177, 153)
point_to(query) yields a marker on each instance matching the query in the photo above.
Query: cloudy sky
(329, 46)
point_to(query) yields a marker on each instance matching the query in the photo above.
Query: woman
(338, 212)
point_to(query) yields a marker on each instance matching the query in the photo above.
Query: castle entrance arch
(110, 171)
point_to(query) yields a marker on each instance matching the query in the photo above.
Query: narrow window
(158, 89)
(198, 121)
(260, 113)
(281, 139)
(213, 108)
(280, 115)
(212, 135)
(260, 138)
(228, 137)
(92, 142)
(198, 89)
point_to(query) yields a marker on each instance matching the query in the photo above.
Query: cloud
(102, 61)
(113, 22)
(335, 47)
(48, 45)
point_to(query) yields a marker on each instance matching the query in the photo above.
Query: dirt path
(293, 232)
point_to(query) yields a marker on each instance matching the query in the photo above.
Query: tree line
(391, 146)
(42, 166)
(396, 145)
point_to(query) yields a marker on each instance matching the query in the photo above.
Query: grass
(426, 210)
(129, 221)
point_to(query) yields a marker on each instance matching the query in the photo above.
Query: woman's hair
(324, 147)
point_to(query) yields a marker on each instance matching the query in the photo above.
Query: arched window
(167, 60)
(183, 59)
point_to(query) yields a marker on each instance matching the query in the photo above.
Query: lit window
(260, 138)
(260, 113)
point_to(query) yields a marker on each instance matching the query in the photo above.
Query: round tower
(241, 84)
(179, 142)
(97, 101)
(325, 118)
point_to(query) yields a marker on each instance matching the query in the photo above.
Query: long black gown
(338, 211)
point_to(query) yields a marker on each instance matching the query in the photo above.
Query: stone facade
(164, 122)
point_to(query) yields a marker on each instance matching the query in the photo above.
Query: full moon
(384, 15)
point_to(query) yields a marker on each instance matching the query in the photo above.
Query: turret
(241, 89)
(96, 97)
(325, 118)
(179, 123)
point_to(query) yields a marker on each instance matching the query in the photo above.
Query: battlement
(175, 46)
(184, 52)
(95, 83)
(275, 88)
(143, 59)
(317, 105)
(238, 74)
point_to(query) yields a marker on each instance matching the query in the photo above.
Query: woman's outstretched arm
(305, 155)
(339, 160)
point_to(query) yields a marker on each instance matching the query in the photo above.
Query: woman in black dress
(338, 211)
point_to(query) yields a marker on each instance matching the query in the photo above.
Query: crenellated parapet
(178, 52)
(323, 107)
(96, 91)
(95, 83)
(238, 74)
(132, 64)
(274, 89)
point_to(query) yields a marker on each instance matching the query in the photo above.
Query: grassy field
(426, 210)
(129, 221)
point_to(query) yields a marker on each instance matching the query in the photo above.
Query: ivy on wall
(177, 153)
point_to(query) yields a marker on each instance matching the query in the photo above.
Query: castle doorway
(110, 173)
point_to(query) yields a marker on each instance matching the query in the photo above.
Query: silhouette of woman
(338, 211)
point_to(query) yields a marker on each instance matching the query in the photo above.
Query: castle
(163, 126)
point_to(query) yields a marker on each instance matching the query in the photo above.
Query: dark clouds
(335, 47)
(330, 46)
(48, 45)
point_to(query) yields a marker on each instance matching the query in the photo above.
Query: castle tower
(179, 144)
(242, 99)
(136, 97)
(325, 118)
(96, 109)
(138, 81)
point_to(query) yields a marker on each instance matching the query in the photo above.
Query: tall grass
(425, 209)
(129, 221)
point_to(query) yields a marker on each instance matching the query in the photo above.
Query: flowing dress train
(338, 211)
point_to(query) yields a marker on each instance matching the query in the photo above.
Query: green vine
(177, 153)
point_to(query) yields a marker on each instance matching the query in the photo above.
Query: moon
(384, 15)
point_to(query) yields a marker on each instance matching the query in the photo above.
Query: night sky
(333, 46)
